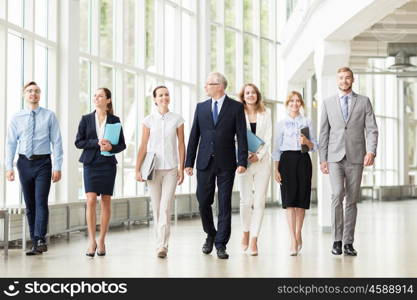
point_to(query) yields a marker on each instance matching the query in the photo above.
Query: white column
(67, 107)
(328, 57)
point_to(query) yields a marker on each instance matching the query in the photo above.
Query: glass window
(248, 15)
(230, 60)
(265, 18)
(129, 32)
(188, 48)
(85, 87)
(84, 25)
(266, 65)
(171, 41)
(129, 120)
(248, 61)
(14, 103)
(189, 4)
(106, 77)
(106, 28)
(150, 34)
(41, 72)
(41, 17)
(15, 12)
(213, 48)
(230, 12)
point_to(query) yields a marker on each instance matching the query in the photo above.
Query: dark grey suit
(343, 144)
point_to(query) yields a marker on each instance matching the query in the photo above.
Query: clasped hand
(104, 145)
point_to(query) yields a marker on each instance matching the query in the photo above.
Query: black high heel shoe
(92, 253)
(102, 253)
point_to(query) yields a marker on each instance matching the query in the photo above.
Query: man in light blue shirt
(32, 131)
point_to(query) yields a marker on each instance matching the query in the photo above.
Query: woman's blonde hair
(292, 94)
(260, 106)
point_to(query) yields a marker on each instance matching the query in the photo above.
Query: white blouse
(100, 128)
(163, 138)
(288, 135)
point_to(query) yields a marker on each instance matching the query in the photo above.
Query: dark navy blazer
(218, 140)
(88, 141)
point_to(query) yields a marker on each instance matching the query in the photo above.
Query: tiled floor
(385, 240)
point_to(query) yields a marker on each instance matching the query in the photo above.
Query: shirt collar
(341, 94)
(219, 101)
(159, 115)
(300, 116)
(36, 110)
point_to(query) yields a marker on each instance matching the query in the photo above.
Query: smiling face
(32, 94)
(250, 96)
(100, 99)
(162, 99)
(294, 104)
(345, 81)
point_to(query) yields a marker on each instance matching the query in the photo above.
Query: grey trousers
(345, 179)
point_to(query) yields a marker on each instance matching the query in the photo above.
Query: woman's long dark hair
(108, 96)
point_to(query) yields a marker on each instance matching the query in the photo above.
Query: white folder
(148, 165)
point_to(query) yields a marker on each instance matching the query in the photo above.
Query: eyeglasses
(30, 91)
(212, 83)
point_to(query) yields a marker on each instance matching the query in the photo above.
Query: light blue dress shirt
(219, 103)
(288, 135)
(46, 133)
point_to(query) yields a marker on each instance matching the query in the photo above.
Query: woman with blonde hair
(257, 176)
(293, 169)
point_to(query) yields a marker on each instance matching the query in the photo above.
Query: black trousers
(35, 178)
(206, 181)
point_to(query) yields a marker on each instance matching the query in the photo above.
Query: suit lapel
(207, 112)
(93, 124)
(352, 105)
(225, 105)
(339, 108)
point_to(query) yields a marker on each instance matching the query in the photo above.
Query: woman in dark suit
(99, 170)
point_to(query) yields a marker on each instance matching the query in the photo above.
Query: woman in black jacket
(99, 170)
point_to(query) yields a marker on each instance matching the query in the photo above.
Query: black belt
(36, 156)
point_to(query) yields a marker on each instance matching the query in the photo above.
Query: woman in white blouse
(293, 169)
(160, 133)
(257, 176)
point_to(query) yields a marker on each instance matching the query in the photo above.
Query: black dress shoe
(349, 250)
(33, 251)
(337, 248)
(42, 246)
(222, 254)
(208, 245)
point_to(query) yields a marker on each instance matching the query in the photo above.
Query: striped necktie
(30, 130)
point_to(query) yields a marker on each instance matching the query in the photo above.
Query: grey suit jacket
(339, 138)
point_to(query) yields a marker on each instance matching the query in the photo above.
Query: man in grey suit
(348, 142)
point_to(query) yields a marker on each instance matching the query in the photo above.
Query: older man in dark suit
(216, 123)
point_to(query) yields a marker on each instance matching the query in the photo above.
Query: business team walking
(218, 148)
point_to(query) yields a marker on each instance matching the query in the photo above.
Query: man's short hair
(345, 69)
(219, 78)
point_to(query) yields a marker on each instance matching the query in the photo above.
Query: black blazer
(218, 140)
(88, 141)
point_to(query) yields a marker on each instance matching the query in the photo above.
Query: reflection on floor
(385, 241)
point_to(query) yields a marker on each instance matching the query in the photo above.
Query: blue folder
(111, 133)
(254, 142)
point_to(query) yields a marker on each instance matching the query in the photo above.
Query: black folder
(306, 132)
